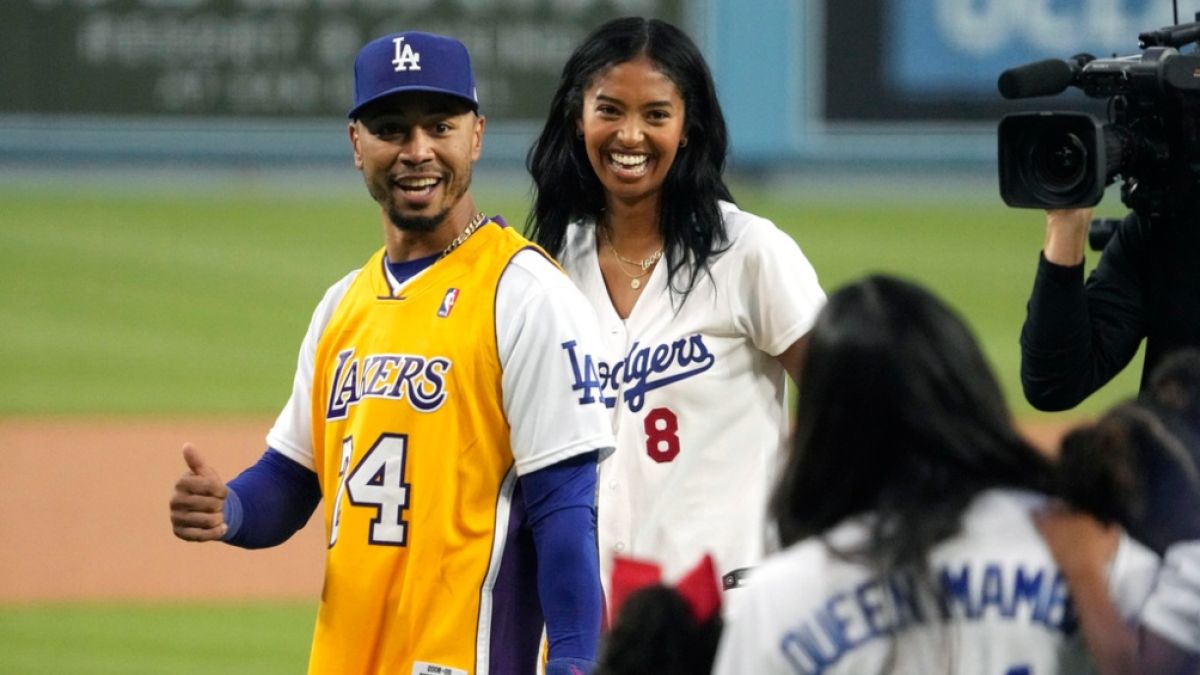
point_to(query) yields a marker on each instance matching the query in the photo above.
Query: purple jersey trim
(516, 610)
(558, 502)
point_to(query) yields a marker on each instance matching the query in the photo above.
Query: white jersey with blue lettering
(1173, 610)
(698, 398)
(1005, 608)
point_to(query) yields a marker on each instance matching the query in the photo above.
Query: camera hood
(1052, 160)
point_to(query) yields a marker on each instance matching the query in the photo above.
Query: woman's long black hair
(566, 188)
(899, 415)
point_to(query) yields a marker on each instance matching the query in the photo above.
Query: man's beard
(415, 223)
(418, 224)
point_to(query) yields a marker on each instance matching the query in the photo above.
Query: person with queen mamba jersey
(432, 412)
(907, 510)
(703, 306)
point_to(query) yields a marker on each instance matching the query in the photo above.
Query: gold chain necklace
(462, 236)
(635, 280)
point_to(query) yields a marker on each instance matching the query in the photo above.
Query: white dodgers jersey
(698, 397)
(1005, 607)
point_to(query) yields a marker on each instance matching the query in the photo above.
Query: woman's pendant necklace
(635, 280)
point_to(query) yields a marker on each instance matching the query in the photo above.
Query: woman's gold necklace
(635, 280)
(462, 236)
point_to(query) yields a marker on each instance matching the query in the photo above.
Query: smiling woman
(704, 307)
(632, 125)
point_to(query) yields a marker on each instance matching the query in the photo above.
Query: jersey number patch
(377, 482)
(662, 435)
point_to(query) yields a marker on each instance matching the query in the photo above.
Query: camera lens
(1058, 162)
(1051, 160)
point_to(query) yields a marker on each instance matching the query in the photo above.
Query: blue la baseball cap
(412, 61)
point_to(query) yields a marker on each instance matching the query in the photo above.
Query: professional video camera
(1152, 138)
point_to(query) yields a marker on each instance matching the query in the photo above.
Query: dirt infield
(83, 514)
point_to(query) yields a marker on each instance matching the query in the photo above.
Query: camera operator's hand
(1066, 235)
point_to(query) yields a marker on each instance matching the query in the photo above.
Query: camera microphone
(1171, 36)
(1041, 78)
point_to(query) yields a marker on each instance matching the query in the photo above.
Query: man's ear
(477, 149)
(355, 132)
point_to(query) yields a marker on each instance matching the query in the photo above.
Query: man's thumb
(194, 461)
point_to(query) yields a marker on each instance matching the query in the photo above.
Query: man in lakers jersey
(431, 415)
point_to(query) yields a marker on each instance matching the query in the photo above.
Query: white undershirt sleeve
(292, 433)
(542, 321)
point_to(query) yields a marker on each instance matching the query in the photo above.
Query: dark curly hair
(656, 632)
(1137, 466)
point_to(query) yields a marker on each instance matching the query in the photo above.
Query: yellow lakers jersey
(428, 569)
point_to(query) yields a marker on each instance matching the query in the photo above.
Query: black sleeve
(1078, 336)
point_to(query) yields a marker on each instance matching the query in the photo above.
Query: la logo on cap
(397, 63)
(405, 58)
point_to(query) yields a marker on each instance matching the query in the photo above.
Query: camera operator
(1078, 335)
(1146, 285)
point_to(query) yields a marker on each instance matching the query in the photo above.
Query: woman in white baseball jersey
(703, 307)
(906, 511)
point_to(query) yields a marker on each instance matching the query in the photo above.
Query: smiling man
(432, 411)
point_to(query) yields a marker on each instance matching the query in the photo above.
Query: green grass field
(129, 639)
(178, 302)
(193, 301)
